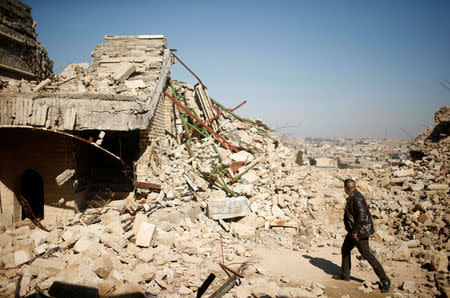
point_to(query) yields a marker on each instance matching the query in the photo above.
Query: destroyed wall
(49, 155)
(119, 94)
(21, 55)
(218, 206)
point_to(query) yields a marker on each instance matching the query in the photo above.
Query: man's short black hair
(350, 184)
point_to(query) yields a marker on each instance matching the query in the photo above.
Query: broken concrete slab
(21, 257)
(64, 176)
(103, 266)
(39, 236)
(84, 244)
(50, 267)
(404, 173)
(123, 71)
(242, 231)
(115, 241)
(227, 208)
(42, 85)
(135, 84)
(145, 234)
(242, 156)
(250, 178)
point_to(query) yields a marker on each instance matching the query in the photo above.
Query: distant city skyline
(307, 68)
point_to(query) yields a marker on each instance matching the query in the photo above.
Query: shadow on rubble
(440, 131)
(66, 290)
(327, 266)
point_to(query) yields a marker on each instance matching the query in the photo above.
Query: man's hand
(355, 237)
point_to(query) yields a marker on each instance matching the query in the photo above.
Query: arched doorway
(32, 189)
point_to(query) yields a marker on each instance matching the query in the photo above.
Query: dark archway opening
(97, 171)
(32, 189)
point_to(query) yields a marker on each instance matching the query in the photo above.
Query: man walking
(359, 226)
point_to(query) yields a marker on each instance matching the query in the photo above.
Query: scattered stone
(103, 266)
(402, 254)
(242, 231)
(145, 235)
(21, 257)
(50, 267)
(409, 286)
(439, 261)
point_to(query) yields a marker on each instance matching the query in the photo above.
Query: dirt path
(319, 265)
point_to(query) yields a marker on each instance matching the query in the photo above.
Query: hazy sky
(307, 68)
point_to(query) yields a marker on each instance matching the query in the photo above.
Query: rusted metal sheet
(150, 186)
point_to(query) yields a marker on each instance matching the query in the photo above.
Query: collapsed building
(83, 125)
(96, 133)
(21, 55)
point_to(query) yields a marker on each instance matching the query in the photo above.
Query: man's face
(346, 190)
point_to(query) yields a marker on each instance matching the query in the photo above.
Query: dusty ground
(319, 265)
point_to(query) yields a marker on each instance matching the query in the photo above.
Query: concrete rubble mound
(217, 203)
(119, 92)
(212, 190)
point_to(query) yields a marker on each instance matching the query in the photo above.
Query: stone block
(39, 236)
(404, 173)
(39, 250)
(138, 220)
(54, 236)
(250, 178)
(21, 257)
(409, 286)
(402, 254)
(227, 208)
(49, 267)
(115, 241)
(242, 156)
(166, 238)
(135, 84)
(437, 187)
(146, 271)
(439, 261)
(83, 244)
(64, 176)
(42, 85)
(145, 234)
(417, 187)
(22, 231)
(123, 72)
(103, 266)
(242, 231)
(132, 276)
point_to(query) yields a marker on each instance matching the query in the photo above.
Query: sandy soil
(319, 265)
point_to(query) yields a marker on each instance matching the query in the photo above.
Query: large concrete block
(49, 267)
(227, 208)
(21, 257)
(145, 234)
(103, 266)
(123, 72)
(39, 236)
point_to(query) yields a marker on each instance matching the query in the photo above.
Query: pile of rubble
(216, 203)
(125, 65)
(151, 240)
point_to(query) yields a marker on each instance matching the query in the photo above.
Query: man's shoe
(341, 277)
(385, 286)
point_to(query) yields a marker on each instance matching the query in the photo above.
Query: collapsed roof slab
(96, 110)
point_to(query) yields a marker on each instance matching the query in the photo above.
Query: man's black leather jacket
(357, 218)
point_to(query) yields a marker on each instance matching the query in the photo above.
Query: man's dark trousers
(364, 250)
